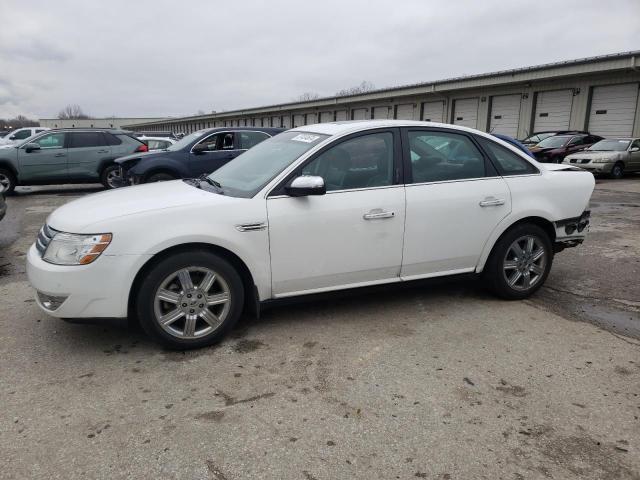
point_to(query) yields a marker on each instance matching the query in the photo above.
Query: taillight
(142, 148)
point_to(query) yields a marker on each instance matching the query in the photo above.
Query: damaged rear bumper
(571, 232)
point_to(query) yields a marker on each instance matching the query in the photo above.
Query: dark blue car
(201, 152)
(514, 142)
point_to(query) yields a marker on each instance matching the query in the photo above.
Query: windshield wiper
(205, 178)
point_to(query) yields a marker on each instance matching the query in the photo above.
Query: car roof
(90, 129)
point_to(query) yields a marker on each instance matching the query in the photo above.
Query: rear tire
(190, 300)
(519, 262)
(7, 181)
(159, 177)
(110, 177)
(617, 171)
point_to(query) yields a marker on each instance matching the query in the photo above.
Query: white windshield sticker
(306, 138)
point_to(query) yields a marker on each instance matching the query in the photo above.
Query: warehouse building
(108, 122)
(598, 94)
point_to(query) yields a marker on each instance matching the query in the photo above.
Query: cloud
(149, 58)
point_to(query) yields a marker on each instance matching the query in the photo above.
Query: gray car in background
(66, 156)
(612, 156)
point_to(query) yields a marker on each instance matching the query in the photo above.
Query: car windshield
(248, 173)
(610, 146)
(180, 144)
(554, 142)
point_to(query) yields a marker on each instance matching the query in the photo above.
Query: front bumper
(98, 290)
(591, 166)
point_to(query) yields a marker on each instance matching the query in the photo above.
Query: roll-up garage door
(298, 120)
(341, 115)
(359, 114)
(553, 110)
(381, 113)
(286, 121)
(613, 109)
(326, 117)
(266, 122)
(433, 111)
(311, 118)
(505, 114)
(276, 121)
(465, 112)
(404, 112)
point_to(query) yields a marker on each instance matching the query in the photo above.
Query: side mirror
(635, 149)
(200, 148)
(30, 147)
(306, 185)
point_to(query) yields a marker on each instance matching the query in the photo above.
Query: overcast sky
(156, 58)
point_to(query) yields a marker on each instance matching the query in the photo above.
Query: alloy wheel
(5, 183)
(524, 263)
(192, 302)
(113, 178)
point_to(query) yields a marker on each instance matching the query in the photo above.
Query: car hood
(80, 215)
(139, 156)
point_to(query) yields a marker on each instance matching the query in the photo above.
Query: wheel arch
(251, 299)
(542, 222)
(9, 166)
(161, 169)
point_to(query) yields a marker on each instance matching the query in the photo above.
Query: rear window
(506, 161)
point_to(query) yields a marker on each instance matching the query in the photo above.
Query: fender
(149, 166)
(8, 164)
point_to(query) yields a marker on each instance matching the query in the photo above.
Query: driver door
(212, 152)
(49, 163)
(350, 236)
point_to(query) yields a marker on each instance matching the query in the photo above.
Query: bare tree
(72, 111)
(364, 87)
(307, 97)
(18, 122)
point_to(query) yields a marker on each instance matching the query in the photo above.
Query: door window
(220, 141)
(86, 139)
(443, 156)
(53, 140)
(507, 162)
(576, 141)
(362, 162)
(22, 135)
(251, 139)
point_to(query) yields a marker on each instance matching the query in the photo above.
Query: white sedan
(317, 208)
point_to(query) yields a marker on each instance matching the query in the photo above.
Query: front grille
(45, 235)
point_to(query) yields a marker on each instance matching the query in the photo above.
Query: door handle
(378, 214)
(60, 155)
(492, 202)
(103, 151)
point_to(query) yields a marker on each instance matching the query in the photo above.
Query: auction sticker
(306, 138)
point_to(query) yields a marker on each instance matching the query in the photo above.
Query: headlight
(72, 249)
(602, 160)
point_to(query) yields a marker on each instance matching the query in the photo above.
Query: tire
(166, 292)
(504, 265)
(7, 181)
(159, 177)
(617, 171)
(109, 175)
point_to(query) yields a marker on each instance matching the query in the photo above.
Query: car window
(53, 140)
(507, 162)
(362, 162)
(251, 139)
(86, 139)
(442, 156)
(212, 142)
(635, 144)
(112, 139)
(21, 135)
(576, 141)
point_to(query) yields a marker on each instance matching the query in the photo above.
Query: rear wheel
(617, 171)
(520, 262)
(160, 177)
(190, 300)
(110, 177)
(7, 181)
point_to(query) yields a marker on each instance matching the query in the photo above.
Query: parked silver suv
(66, 156)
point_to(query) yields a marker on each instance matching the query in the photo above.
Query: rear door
(87, 153)
(455, 199)
(49, 163)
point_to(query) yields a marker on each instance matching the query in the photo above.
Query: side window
(154, 144)
(251, 139)
(22, 135)
(362, 162)
(112, 139)
(227, 141)
(442, 156)
(212, 142)
(53, 140)
(86, 139)
(576, 141)
(507, 162)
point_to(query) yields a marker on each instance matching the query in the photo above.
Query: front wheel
(520, 262)
(617, 171)
(160, 177)
(190, 300)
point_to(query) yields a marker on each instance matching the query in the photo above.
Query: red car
(554, 149)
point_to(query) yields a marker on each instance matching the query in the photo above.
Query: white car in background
(611, 156)
(21, 134)
(157, 143)
(317, 208)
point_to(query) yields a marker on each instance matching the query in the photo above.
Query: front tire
(520, 262)
(617, 171)
(7, 181)
(160, 177)
(190, 300)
